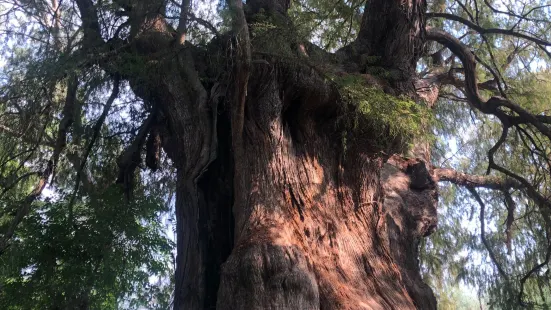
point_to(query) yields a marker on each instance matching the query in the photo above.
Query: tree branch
(49, 171)
(90, 24)
(483, 233)
(242, 69)
(130, 158)
(96, 132)
(483, 30)
(521, 17)
(182, 23)
(475, 181)
(493, 105)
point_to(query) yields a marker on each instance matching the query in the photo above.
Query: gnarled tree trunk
(273, 210)
(319, 226)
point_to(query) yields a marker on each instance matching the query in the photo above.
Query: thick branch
(130, 158)
(470, 180)
(183, 20)
(67, 120)
(90, 23)
(242, 69)
(393, 31)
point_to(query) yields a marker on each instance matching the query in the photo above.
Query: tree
(305, 175)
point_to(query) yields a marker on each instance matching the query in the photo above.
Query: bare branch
(520, 17)
(493, 105)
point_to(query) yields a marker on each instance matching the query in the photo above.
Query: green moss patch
(388, 122)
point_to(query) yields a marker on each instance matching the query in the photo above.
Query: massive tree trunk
(282, 203)
(321, 228)
(319, 225)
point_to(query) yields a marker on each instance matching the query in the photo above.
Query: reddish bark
(314, 230)
(316, 225)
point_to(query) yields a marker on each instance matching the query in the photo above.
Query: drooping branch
(511, 181)
(535, 269)
(66, 121)
(95, 135)
(483, 233)
(130, 158)
(511, 206)
(49, 171)
(153, 148)
(25, 206)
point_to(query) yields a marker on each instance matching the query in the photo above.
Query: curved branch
(493, 105)
(483, 30)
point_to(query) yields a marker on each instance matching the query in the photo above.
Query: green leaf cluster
(102, 257)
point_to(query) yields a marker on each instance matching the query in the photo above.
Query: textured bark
(314, 230)
(273, 210)
(394, 31)
(171, 84)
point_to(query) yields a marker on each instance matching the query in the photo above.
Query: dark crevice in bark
(217, 186)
